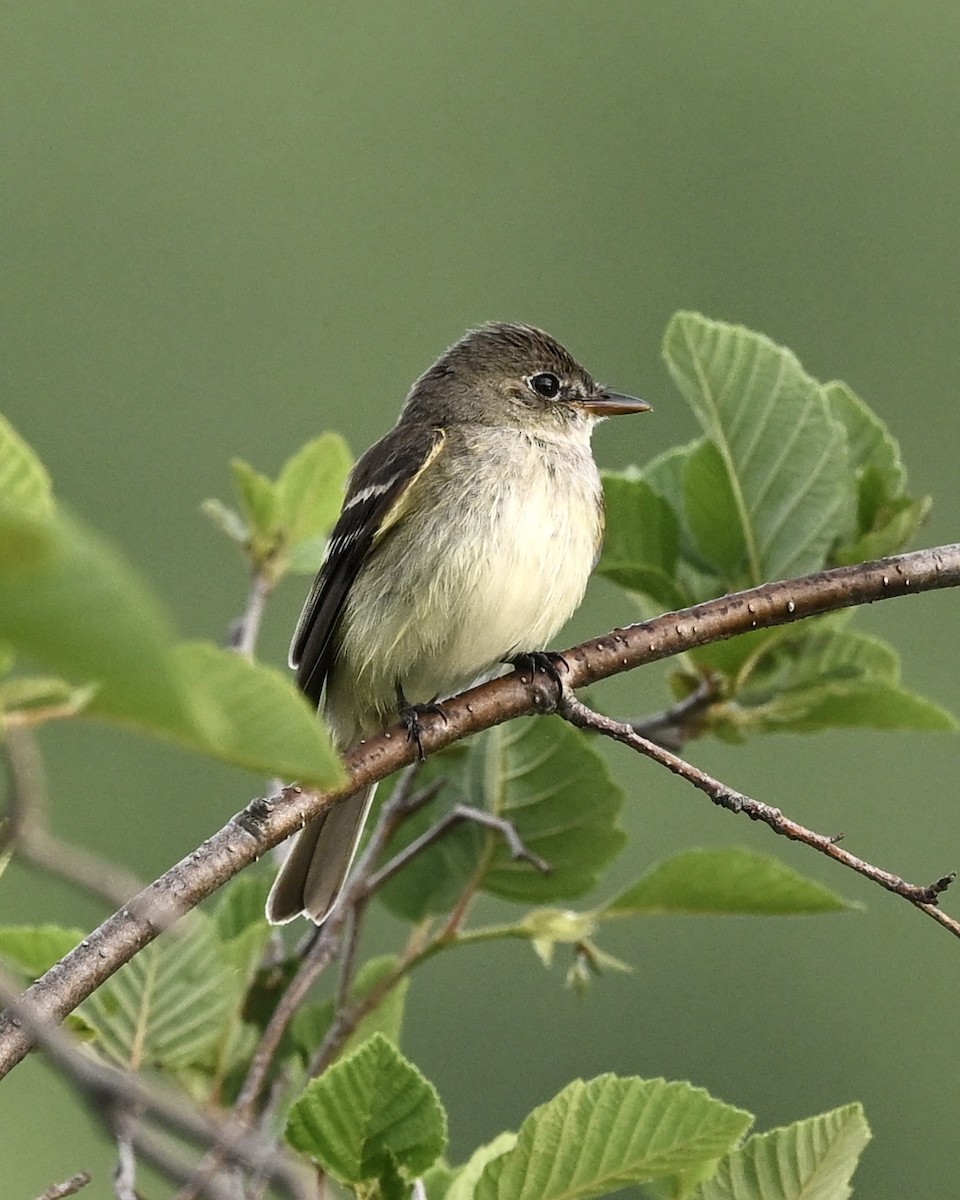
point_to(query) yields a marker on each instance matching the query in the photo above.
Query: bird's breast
(488, 565)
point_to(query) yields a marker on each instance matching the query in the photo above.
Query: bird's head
(512, 375)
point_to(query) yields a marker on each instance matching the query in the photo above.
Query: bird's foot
(546, 663)
(411, 716)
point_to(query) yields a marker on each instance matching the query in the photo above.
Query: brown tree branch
(69, 1187)
(923, 896)
(113, 1094)
(675, 726)
(327, 943)
(266, 822)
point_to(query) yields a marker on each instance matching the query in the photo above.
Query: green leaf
(30, 694)
(870, 443)
(217, 1072)
(817, 656)
(8, 659)
(641, 542)
(824, 677)
(728, 658)
(886, 517)
(810, 1160)
(24, 482)
(34, 949)
(253, 716)
(467, 1177)
(551, 783)
(595, 1138)
(310, 488)
(898, 520)
(387, 1017)
(871, 704)
(725, 880)
(370, 1117)
(784, 453)
(258, 499)
(666, 475)
(548, 780)
(81, 612)
(437, 1180)
(312, 1022)
(305, 557)
(227, 521)
(712, 514)
(431, 882)
(168, 1005)
(77, 609)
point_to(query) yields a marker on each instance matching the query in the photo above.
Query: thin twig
(267, 822)
(125, 1173)
(347, 1019)
(422, 944)
(69, 1187)
(166, 1157)
(455, 816)
(923, 897)
(260, 1181)
(403, 803)
(326, 944)
(321, 953)
(246, 628)
(111, 1090)
(681, 722)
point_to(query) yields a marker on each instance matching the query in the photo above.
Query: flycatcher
(466, 539)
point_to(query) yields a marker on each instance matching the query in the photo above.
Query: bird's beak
(613, 404)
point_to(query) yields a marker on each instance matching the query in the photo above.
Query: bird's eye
(545, 384)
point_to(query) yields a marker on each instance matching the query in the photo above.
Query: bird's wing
(376, 498)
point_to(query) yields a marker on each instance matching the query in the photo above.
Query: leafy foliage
(313, 1021)
(790, 476)
(69, 603)
(811, 1160)
(33, 949)
(372, 1117)
(282, 525)
(533, 773)
(24, 482)
(723, 880)
(595, 1138)
(823, 677)
(168, 1005)
(778, 462)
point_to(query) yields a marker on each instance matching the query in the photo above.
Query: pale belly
(490, 582)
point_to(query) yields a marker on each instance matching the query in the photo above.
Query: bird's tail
(315, 870)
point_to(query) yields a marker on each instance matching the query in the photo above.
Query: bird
(465, 541)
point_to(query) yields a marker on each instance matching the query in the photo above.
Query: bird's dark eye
(545, 384)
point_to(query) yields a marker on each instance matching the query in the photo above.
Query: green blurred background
(229, 226)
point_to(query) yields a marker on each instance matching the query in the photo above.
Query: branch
(267, 821)
(115, 1094)
(924, 896)
(69, 1187)
(681, 722)
(326, 944)
(246, 628)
